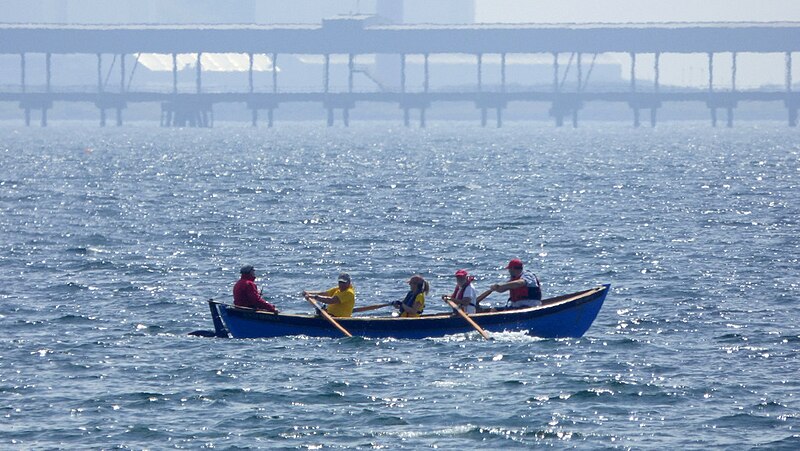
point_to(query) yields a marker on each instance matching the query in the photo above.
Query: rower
(524, 287)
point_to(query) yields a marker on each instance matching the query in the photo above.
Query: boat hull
(564, 316)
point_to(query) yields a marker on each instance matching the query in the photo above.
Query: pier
(570, 90)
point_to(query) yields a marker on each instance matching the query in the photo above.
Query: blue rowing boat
(569, 315)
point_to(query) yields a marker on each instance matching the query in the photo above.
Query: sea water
(114, 239)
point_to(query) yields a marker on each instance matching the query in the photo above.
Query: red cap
(514, 264)
(461, 273)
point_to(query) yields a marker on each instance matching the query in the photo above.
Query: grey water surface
(114, 239)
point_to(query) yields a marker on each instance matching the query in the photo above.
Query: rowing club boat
(569, 315)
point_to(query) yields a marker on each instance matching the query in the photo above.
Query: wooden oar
(483, 295)
(367, 308)
(328, 317)
(467, 318)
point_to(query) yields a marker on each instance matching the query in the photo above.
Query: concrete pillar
(270, 117)
(406, 117)
(174, 73)
(636, 120)
(653, 112)
(633, 72)
(403, 74)
(788, 71)
(499, 117)
(422, 117)
(326, 80)
(122, 73)
(555, 73)
(730, 117)
(44, 117)
(99, 72)
(199, 82)
(480, 72)
(254, 117)
(710, 72)
(330, 117)
(346, 116)
(483, 117)
(792, 117)
(250, 86)
(27, 117)
(657, 70)
(119, 117)
(274, 73)
(580, 75)
(48, 69)
(711, 87)
(102, 117)
(733, 71)
(503, 72)
(350, 64)
(427, 77)
(575, 118)
(22, 72)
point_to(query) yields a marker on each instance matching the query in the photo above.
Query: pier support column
(326, 77)
(254, 117)
(480, 72)
(44, 117)
(274, 73)
(330, 117)
(483, 117)
(346, 116)
(653, 112)
(636, 116)
(422, 118)
(555, 72)
(403, 73)
(119, 117)
(102, 117)
(350, 67)
(48, 69)
(27, 117)
(425, 84)
(22, 72)
(575, 118)
(199, 81)
(270, 117)
(174, 73)
(499, 117)
(503, 73)
(730, 117)
(406, 117)
(788, 71)
(792, 116)
(250, 86)
(711, 87)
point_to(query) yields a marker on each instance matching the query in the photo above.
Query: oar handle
(328, 317)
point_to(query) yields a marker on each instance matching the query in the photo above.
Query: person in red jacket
(245, 292)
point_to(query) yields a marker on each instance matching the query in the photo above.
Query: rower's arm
(503, 287)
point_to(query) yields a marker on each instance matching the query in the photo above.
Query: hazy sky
(561, 11)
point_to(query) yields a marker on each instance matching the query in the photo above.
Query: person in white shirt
(464, 295)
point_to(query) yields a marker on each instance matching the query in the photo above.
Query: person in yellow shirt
(414, 302)
(340, 299)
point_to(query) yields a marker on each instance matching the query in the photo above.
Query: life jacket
(411, 296)
(458, 293)
(525, 292)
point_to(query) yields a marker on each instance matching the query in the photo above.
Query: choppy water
(112, 241)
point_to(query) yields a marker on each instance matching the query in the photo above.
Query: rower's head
(418, 283)
(344, 280)
(514, 267)
(248, 270)
(462, 276)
